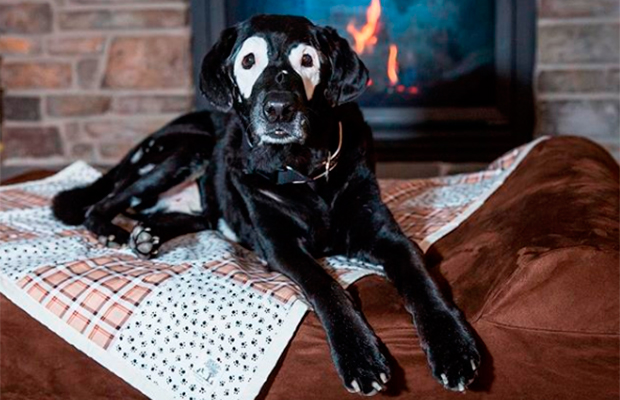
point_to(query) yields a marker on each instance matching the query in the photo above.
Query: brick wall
(578, 79)
(86, 79)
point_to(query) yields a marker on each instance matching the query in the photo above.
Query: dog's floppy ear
(349, 76)
(215, 81)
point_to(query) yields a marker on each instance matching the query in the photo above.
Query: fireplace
(451, 80)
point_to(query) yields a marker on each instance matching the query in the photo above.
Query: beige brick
(599, 119)
(36, 75)
(122, 19)
(72, 131)
(149, 63)
(578, 8)
(120, 129)
(87, 73)
(113, 152)
(570, 43)
(83, 151)
(579, 81)
(75, 46)
(77, 105)
(24, 17)
(19, 45)
(152, 104)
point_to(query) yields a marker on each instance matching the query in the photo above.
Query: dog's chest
(294, 211)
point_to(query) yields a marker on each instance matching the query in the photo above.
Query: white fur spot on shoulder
(225, 230)
(146, 169)
(311, 76)
(246, 78)
(136, 156)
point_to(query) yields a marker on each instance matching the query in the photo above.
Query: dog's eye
(248, 61)
(306, 61)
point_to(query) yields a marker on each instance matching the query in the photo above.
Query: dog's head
(280, 74)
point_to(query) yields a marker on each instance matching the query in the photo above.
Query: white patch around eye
(246, 78)
(311, 76)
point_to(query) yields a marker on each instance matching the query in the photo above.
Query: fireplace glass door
(420, 53)
(451, 80)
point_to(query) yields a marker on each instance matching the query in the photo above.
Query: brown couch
(535, 269)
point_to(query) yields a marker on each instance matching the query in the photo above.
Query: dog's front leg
(372, 234)
(354, 346)
(282, 240)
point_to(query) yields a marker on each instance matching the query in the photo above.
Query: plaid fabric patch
(270, 283)
(12, 199)
(9, 234)
(97, 296)
(423, 222)
(421, 208)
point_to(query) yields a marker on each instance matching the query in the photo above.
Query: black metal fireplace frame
(434, 134)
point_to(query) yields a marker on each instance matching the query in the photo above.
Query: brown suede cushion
(535, 269)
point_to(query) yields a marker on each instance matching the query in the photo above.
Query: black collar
(290, 175)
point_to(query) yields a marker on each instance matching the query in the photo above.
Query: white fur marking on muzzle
(311, 76)
(246, 78)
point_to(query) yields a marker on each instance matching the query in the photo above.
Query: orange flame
(392, 65)
(366, 35)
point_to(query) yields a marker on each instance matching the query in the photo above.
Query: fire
(366, 35)
(392, 65)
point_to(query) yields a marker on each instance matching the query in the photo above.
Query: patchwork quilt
(205, 320)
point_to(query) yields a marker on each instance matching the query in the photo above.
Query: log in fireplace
(451, 80)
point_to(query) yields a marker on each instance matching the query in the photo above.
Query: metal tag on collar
(327, 165)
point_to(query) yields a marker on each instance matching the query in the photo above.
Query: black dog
(286, 163)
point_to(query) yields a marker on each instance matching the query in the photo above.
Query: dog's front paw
(361, 365)
(143, 242)
(452, 354)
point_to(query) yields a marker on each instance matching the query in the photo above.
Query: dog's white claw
(444, 379)
(356, 386)
(377, 386)
(383, 377)
(147, 229)
(473, 365)
(155, 239)
(461, 387)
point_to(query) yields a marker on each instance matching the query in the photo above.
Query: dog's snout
(279, 107)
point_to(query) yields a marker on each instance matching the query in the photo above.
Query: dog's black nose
(279, 107)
